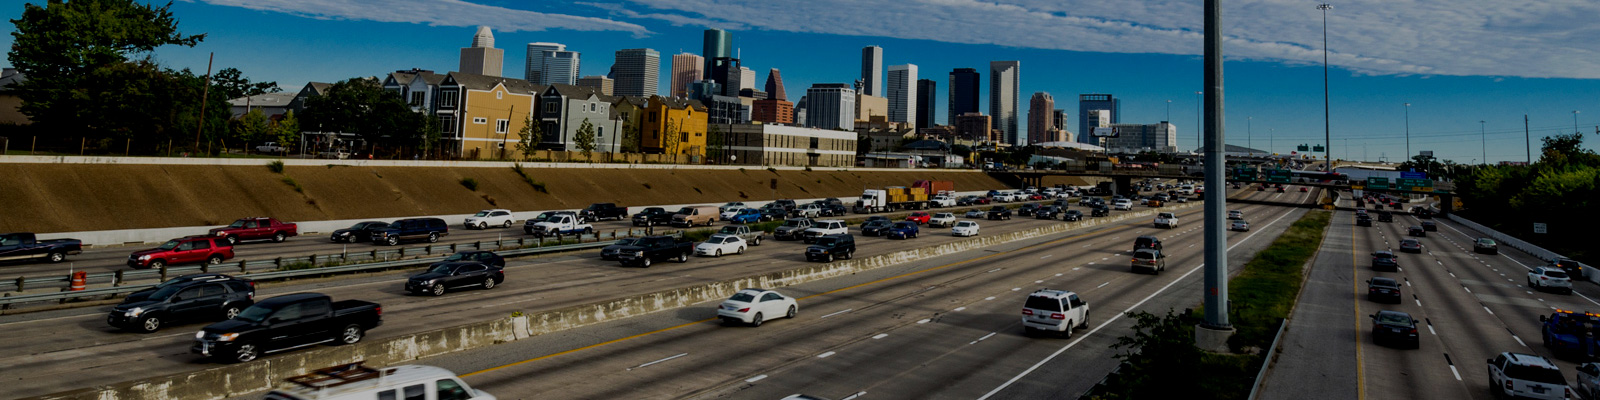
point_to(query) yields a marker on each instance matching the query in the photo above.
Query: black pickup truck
(599, 211)
(652, 216)
(287, 322)
(24, 246)
(655, 248)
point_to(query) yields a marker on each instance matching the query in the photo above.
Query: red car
(919, 217)
(185, 250)
(1035, 197)
(1303, 189)
(256, 229)
(1280, 189)
(1261, 188)
(981, 200)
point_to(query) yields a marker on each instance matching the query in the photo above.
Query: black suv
(1573, 268)
(410, 229)
(1430, 226)
(830, 247)
(188, 297)
(1047, 212)
(999, 212)
(1027, 209)
(1146, 242)
(455, 274)
(1100, 211)
(1363, 220)
(360, 232)
(1385, 216)
(787, 204)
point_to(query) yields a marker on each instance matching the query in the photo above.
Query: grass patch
(470, 184)
(1265, 291)
(537, 185)
(296, 185)
(276, 166)
(772, 170)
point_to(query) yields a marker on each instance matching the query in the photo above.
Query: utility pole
(1482, 130)
(1408, 131)
(206, 92)
(507, 134)
(1213, 334)
(1199, 135)
(1527, 138)
(1326, 126)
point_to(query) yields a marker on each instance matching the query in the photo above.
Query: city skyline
(1276, 93)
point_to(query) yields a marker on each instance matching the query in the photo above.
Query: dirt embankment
(80, 197)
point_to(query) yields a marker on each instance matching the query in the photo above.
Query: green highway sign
(1377, 183)
(1413, 184)
(1279, 175)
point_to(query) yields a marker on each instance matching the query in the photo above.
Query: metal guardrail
(599, 240)
(1266, 362)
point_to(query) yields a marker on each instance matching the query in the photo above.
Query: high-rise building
(601, 83)
(964, 89)
(831, 106)
(1086, 122)
(533, 71)
(1059, 118)
(747, 78)
(637, 72)
(1004, 82)
(775, 86)
(1041, 120)
(726, 71)
(926, 88)
(902, 93)
(560, 67)
(1133, 138)
(974, 126)
(872, 71)
(718, 44)
(482, 58)
(687, 69)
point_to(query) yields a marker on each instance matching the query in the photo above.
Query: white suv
(487, 218)
(1550, 277)
(1122, 204)
(1054, 311)
(824, 227)
(809, 211)
(943, 219)
(1526, 376)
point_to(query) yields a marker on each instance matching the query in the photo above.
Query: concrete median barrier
(226, 381)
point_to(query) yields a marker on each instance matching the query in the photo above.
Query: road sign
(1413, 175)
(1413, 184)
(1378, 183)
(1539, 227)
(1302, 148)
(1105, 132)
(1279, 175)
(1317, 148)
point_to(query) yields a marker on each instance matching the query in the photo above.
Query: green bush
(537, 185)
(470, 184)
(276, 166)
(296, 185)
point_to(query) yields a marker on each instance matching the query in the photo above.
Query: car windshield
(1535, 374)
(169, 245)
(964, 224)
(1043, 303)
(1394, 318)
(1486, 242)
(792, 223)
(237, 224)
(481, 214)
(441, 269)
(255, 313)
(826, 241)
(1555, 274)
(716, 239)
(1384, 282)
(1382, 255)
(743, 297)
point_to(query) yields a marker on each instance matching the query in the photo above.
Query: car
(601, 211)
(1527, 376)
(1485, 246)
(773, 212)
(732, 206)
(1261, 188)
(1385, 216)
(455, 274)
(834, 210)
(876, 228)
(483, 256)
(1416, 231)
(966, 201)
(787, 204)
(1411, 246)
(562, 224)
(1304, 189)
(755, 306)
(904, 230)
(1146, 242)
(1166, 220)
(360, 232)
(1026, 210)
(613, 252)
(1281, 189)
(1122, 204)
(257, 229)
(270, 147)
(650, 249)
(718, 244)
(1363, 220)
(1182, 200)
(286, 322)
(919, 217)
(792, 229)
(746, 216)
(487, 218)
(1383, 289)
(208, 249)
(1072, 215)
(1569, 333)
(1101, 211)
(357, 382)
(1056, 311)
(409, 229)
(1149, 260)
(650, 216)
(185, 298)
(964, 229)
(1395, 327)
(975, 213)
(811, 210)
(1047, 212)
(695, 215)
(999, 213)
(1239, 225)
(824, 227)
(1430, 226)
(751, 236)
(1235, 214)
(1384, 260)
(1547, 278)
(25, 246)
(1589, 380)
(942, 220)
(827, 248)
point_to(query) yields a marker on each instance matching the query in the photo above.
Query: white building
(872, 70)
(831, 106)
(902, 93)
(747, 78)
(1004, 81)
(1135, 138)
(766, 144)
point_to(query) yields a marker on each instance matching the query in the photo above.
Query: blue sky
(1457, 62)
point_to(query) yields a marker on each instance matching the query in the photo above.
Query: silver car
(1239, 225)
(1589, 380)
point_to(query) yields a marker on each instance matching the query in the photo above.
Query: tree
(669, 137)
(252, 126)
(431, 133)
(630, 138)
(585, 138)
(1159, 358)
(529, 136)
(716, 144)
(363, 107)
(231, 84)
(287, 130)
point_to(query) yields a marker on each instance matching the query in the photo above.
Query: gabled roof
(636, 101)
(572, 92)
(317, 88)
(279, 99)
(486, 82)
(10, 78)
(402, 78)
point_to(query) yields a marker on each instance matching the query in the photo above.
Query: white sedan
(752, 306)
(487, 218)
(942, 219)
(1123, 204)
(716, 245)
(976, 213)
(965, 228)
(1239, 225)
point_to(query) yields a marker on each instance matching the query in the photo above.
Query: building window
(499, 95)
(599, 131)
(480, 120)
(652, 116)
(813, 143)
(447, 98)
(550, 107)
(447, 124)
(501, 126)
(416, 98)
(594, 107)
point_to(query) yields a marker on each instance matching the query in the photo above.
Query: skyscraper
(902, 93)
(559, 67)
(533, 71)
(718, 44)
(1041, 122)
(482, 58)
(1088, 120)
(963, 97)
(637, 72)
(872, 71)
(1004, 80)
(747, 78)
(726, 73)
(775, 86)
(926, 89)
(1059, 117)
(687, 68)
(831, 106)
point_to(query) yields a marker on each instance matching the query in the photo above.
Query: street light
(1326, 135)
(1485, 135)
(1199, 134)
(1247, 142)
(1169, 111)
(1408, 131)
(1574, 121)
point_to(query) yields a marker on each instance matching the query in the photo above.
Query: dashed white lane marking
(657, 361)
(1491, 312)
(1058, 274)
(1038, 281)
(1419, 302)
(1105, 258)
(1469, 290)
(855, 396)
(1102, 285)
(1456, 373)
(1519, 340)
(1430, 330)
(826, 355)
(989, 298)
(993, 270)
(881, 336)
(984, 337)
(958, 309)
(1015, 289)
(924, 321)
(838, 312)
(755, 378)
(1045, 256)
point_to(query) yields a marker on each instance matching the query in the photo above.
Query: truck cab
(1571, 333)
(562, 225)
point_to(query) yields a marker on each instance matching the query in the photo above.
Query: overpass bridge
(1123, 178)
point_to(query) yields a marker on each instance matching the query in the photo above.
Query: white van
(358, 382)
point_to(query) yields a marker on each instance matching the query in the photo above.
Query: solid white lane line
(838, 312)
(826, 355)
(657, 361)
(755, 378)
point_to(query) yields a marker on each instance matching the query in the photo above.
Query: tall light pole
(1199, 133)
(1169, 111)
(1247, 142)
(1485, 135)
(1212, 334)
(1270, 131)
(1408, 131)
(1326, 130)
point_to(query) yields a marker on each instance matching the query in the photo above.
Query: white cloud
(1525, 38)
(436, 13)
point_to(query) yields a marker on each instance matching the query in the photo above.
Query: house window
(499, 95)
(652, 116)
(447, 98)
(416, 98)
(594, 107)
(550, 107)
(480, 120)
(599, 131)
(501, 126)
(447, 124)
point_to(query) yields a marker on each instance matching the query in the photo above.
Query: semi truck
(892, 198)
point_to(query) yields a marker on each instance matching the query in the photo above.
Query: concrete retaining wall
(1589, 273)
(406, 163)
(235, 380)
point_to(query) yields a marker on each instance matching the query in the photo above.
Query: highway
(938, 328)
(60, 350)
(1470, 306)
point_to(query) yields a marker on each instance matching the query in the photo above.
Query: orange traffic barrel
(80, 281)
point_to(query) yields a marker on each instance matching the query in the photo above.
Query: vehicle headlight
(222, 233)
(638, 254)
(144, 257)
(135, 311)
(227, 337)
(429, 282)
(200, 334)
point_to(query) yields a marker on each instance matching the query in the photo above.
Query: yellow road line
(1355, 287)
(590, 346)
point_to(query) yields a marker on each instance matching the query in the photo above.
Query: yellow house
(482, 114)
(668, 120)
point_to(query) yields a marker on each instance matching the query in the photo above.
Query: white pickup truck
(561, 224)
(1166, 220)
(825, 227)
(942, 201)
